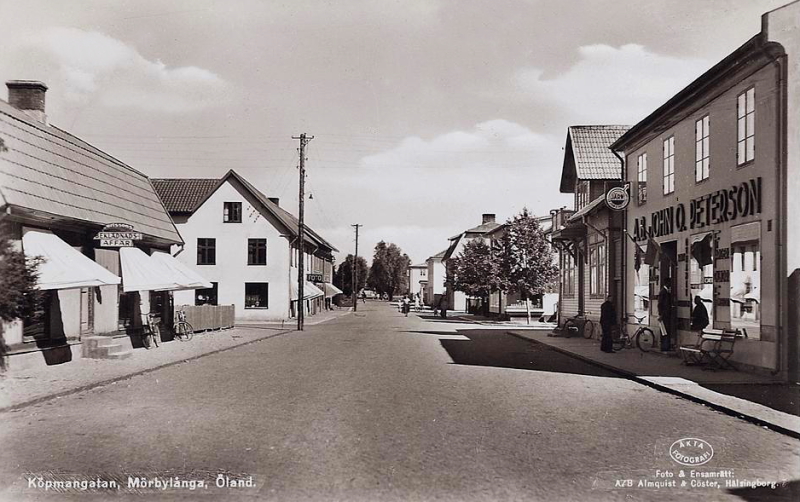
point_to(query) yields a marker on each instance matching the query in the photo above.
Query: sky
(425, 114)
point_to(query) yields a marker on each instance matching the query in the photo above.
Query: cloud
(611, 85)
(423, 191)
(492, 144)
(96, 67)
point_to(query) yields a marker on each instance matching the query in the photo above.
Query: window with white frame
(669, 165)
(641, 168)
(746, 126)
(597, 270)
(702, 156)
(568, 278)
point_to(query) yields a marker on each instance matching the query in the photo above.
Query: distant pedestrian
(363, 297)
(699, 315)
(608, 319)
(405, 304)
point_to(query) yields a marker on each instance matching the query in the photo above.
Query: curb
(107, 381)
(669, 390)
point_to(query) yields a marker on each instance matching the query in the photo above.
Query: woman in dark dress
(608, 318)
(699, 315)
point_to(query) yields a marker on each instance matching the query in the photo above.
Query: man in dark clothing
(699, 315)
(665, 315)
(608, 319)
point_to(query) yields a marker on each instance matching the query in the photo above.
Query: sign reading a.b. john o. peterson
(117, 235)
(728, 204)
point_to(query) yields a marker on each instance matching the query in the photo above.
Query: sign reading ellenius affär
(618, 198)
(728, 204)
(117, 235)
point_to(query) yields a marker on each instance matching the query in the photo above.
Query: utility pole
(355, 271)
(301, 233)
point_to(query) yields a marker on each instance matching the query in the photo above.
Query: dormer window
(232, 212)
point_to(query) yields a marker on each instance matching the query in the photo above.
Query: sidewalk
(668, 374)
(28, 386)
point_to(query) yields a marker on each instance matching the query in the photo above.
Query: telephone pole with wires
(354, 274)
(301, 232)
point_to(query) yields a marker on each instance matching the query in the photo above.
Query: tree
(18, 294)
(389, 272)
(343, 278)
(527, 258)
(476, 271)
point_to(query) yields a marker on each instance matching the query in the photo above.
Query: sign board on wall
(115, 235)
(314, 277)
(618, 198)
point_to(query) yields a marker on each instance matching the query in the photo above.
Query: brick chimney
(488, 218)
(274, 200)
(28, 97)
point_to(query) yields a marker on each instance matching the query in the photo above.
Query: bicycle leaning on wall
(183, 330)
(579, 324)
(643, 337)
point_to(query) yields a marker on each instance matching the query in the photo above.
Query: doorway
(668, 271)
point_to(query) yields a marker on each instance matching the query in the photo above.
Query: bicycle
(151, 333)
(643, 337)
(579, 324)
(183, 330)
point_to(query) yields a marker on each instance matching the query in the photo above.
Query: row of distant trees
(520, 262)
(388, 274)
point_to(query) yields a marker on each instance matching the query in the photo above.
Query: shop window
(256, 251)
(129, 310)
(641, 168)
(256, 295)
(206, 251)
(745, 295)
(232, 212)
(207, 296)
(701, 271)
(702, 156)
(37, 326)
(746, 126)
(669, 165)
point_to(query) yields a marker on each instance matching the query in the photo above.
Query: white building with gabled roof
(246, 245)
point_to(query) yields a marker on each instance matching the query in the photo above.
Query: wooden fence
(205, 317)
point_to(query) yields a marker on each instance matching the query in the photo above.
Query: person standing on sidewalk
(665, 316)
(608, 318)
(699, 315)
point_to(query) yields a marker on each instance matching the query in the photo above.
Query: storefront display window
(746, 279)
(701, 271)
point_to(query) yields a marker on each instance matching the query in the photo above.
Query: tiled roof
(49, 171)
(587, 155)
(438, 255)
(183, 195)
(593, 159)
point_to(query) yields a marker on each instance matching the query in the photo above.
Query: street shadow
(789, 491)
(440, 319)
(494, 348)
(783, 397)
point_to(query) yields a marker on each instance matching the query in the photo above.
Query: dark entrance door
(668, 271)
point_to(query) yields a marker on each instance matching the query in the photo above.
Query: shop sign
(618, 198)
(717, 207)
(117, 235)
(314, 277)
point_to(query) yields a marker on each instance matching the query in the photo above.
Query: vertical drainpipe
(624, 241)
(781, 153)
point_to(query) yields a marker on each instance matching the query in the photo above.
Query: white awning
(63, 267)
(331, 290)
(182, 274)
(141, 273)
(309, 291)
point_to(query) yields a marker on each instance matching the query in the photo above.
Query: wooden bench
(713, 349)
